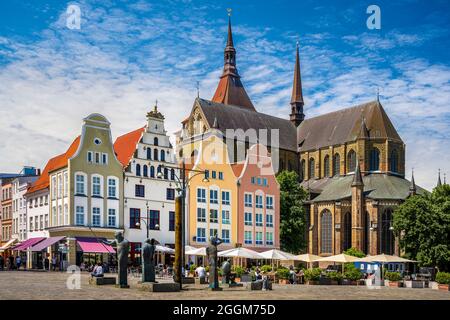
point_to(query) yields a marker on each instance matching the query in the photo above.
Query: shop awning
(94, 245)
(46, 243)
(7, 245)
(27, 243)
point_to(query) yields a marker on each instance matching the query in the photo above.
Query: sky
(128, 54)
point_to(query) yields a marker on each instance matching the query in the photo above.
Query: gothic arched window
(311, 168)
(387, 235)
(163, 155)
(152, 171)
(394, 161)
(336, 164)
(347, 231)
(149, 154)
(351, 161)
(302, 170)
(326, 232)
(155, 141)
(138, 169)
(145, 170)
(326, 166)
(155, 154)
(374, 160)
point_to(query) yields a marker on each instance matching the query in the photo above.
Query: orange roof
(237, 168)
(53, 164)
(125, 145)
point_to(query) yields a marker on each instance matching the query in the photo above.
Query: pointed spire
(230, 33)
(216, 123)
(439, 183)
(445, 180)
(357, 178)
(412, 185)
(363, 131)
(297, 103)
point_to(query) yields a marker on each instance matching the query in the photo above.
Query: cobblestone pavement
(52, 286)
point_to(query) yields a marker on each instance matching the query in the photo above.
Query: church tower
(297, 103)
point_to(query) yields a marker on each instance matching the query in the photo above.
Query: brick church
(351, 161)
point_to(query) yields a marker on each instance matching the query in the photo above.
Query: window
(201, 235)
(135, 217)
(326, 166)
(140, 191)
(201, 214)
(96, 186)
(97, 158)
(54, 217)
(387, 235)
(112, 188)
(79, 216)
(374, 160)
(226, 236)
(258, 181)
(201, 195)
(104, 158)
(60, 186)
(312, 165)
(248, 218)
(166, 173)
(347, 243)
(259, 220)
(258, 201)
(152, 172)
(154, 220)
(265, 182)
(248, 237)
(172, 174)
(225, 197)
(269, 202)
(248, 200)
(31, 225)
(155, 141)
(46, 221)
(171, 221)
(138, 169)
(155, 154)
(213, 196)
(259, 239)
(269, 220)
(214, 174)
(60, 216)
(326, 232)
(351, 161)
(225, 217)
(213, 232)
(213, 216)
(302, 170)
(206, 174)
(394, 161)
(66, 214)
(170, 194)
(111, 217)
(79, 186)
(220, 175)
(36, 224)
(145, 170)
(252, 179)
(96, 218)
(163, 155)
(158, 170)
(336, 164)
(269, 238)
(89, 157)
(66, 185)
(149, 154)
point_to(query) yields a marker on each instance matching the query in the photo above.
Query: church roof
(376, 186)
(125, 145)
(236, 117)
(343, 126)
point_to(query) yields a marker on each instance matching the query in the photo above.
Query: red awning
(46, 243)
(93, 245)
(27, 243)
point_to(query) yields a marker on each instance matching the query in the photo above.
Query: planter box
(283, 281)
(414, 284)
(347, 282)
(444, 287)
(325, 282)
(394, 284)
(312, 282)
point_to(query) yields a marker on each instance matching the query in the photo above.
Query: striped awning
(7, 245)
(46, 243)
(27, 243)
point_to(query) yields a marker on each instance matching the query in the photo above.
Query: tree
(354, 252)
(423, 223)
(292, 212)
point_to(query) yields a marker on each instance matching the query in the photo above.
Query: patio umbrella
(240, 253)
(197, 252)
(276, 254)
(188, 248)
(164, 249)
(307, 257)
(340, 258)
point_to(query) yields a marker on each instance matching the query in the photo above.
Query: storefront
(90, 251)
(43, 250)
(5, 250)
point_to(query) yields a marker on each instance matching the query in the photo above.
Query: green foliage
(423, 221)
(334, 275)
(354, 252)
(313, 274)
(352, 273)
(392, 276)
(192, 268)
(238, 270)
(443, 278)
(266, 268)
(207, 269)
(292, 212)
(283, 273)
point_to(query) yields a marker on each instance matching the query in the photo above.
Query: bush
(207, 269)
(313, 274)
(355, 253)
(283, 273)
(192, 268)
(238, 270)
(266, 268)
(443, 277)
(334, 275)
(393, 276)
(352, 273)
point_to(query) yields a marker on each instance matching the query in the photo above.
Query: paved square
(52, 286)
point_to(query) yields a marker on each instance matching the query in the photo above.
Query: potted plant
(192, 270)
(351, 275)
(335, 277)
(239, 271)
(393, 279)
(283, 275)
(443, 280)
(266, 268)
(312, 276)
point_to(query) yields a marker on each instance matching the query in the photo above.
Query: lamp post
(182, 183)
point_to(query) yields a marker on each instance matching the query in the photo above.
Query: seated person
(98, 271)
(200, 272)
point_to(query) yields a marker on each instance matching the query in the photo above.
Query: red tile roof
(125, 145)
(53, 164)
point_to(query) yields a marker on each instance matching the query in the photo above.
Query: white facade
(149, 199)
(19, 207)
(38, 213)
(59, 204)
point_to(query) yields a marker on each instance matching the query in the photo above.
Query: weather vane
(229, 12)
(198, 89)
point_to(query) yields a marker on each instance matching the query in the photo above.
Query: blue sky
(127, 54)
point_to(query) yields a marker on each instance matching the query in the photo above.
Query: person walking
(18, 262)
(54, 263)
(46, 264)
